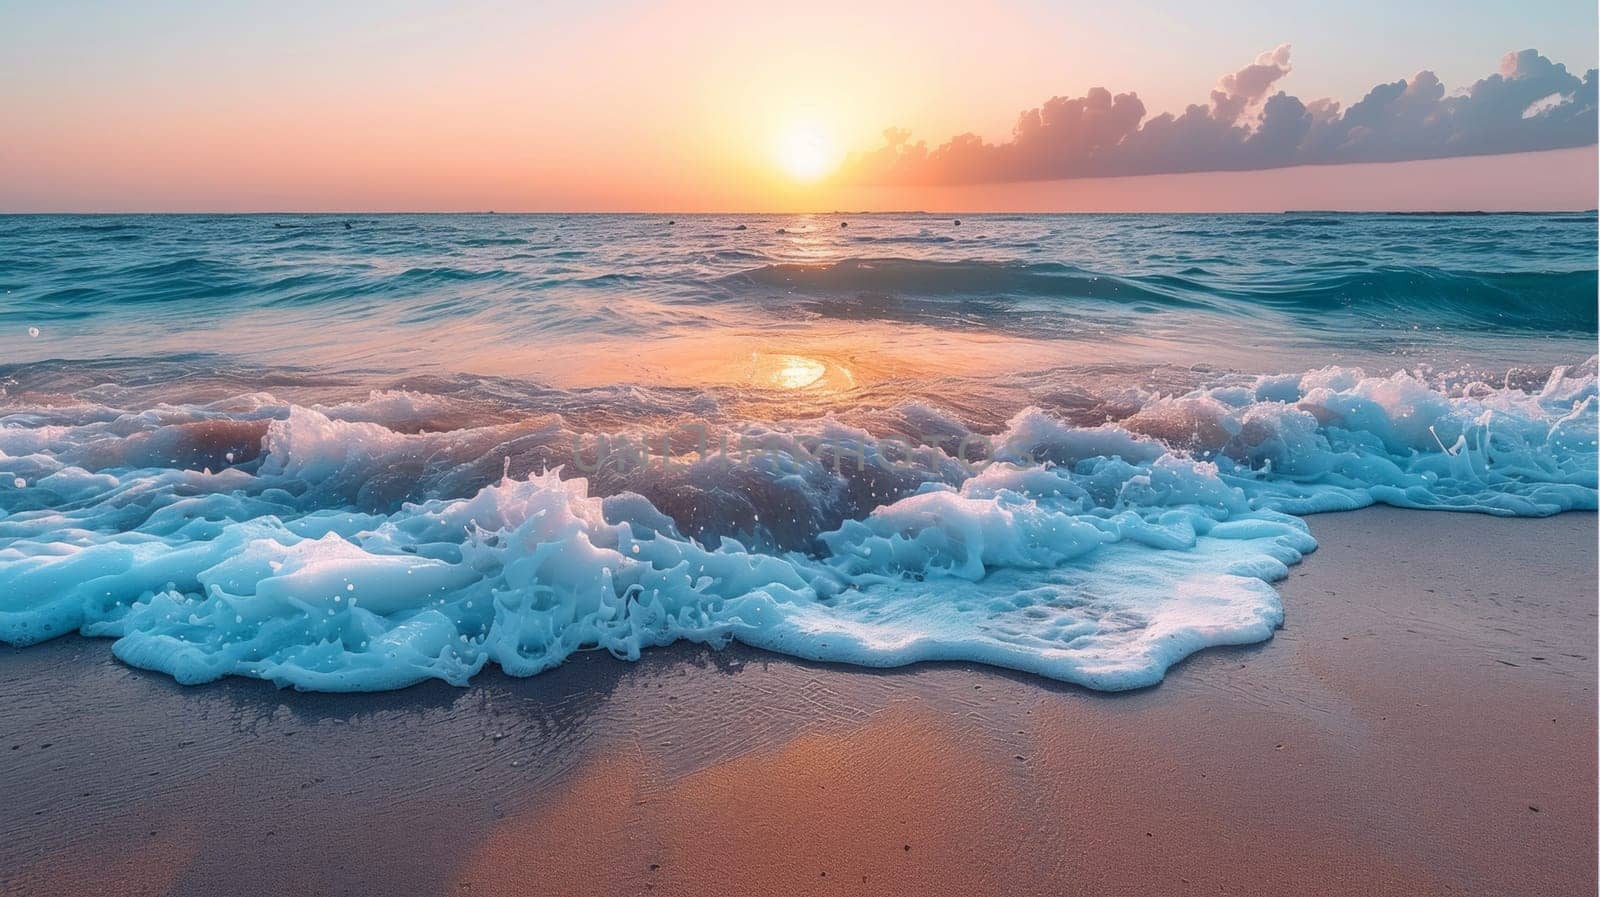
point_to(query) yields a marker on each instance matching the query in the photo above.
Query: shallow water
(313, 449)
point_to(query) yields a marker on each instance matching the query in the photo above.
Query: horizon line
(261, 213)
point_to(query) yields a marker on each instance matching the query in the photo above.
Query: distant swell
(1540, 300)
(1428, 297)
(920, 278)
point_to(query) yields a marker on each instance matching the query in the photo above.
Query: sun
(805, 153)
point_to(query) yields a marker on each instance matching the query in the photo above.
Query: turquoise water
(353, 452)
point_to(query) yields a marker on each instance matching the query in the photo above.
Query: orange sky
(685, 106)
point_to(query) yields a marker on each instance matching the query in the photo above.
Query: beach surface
(1424, 723)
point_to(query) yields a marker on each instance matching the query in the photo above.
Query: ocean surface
(355, 452)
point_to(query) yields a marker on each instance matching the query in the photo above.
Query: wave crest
(1423, 296)
(345, 548)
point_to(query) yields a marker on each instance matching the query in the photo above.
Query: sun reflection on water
(796, 371)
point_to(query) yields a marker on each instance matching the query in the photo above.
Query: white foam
(1130, 547)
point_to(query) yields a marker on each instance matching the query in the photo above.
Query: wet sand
(1425, 723)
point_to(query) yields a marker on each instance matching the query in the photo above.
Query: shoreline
(1423, 723)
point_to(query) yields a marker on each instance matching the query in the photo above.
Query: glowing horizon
(692, 108)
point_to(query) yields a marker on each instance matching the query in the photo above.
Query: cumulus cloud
(1245, 89)
(1530, 104)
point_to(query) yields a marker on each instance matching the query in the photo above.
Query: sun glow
(806, 153)
(797, 371)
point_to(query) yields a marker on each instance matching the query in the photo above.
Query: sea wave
(282, 289)
(1425, 296)
(350, 453)
(372, 544)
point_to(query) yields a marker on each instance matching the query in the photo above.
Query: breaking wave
(373, 544)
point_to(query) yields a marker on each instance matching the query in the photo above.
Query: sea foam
(343, 548)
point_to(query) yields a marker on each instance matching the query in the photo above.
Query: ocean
(354, 452)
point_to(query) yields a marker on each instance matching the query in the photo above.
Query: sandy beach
(1423, 724)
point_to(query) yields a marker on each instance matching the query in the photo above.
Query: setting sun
(805, 153)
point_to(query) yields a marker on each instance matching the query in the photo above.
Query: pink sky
(1554, 180)
(677, 106)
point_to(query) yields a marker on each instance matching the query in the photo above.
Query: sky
(738, 106)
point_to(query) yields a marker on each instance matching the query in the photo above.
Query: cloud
(1246, 88)
(1530, 104)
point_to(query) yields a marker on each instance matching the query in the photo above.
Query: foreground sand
(1424, 724)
